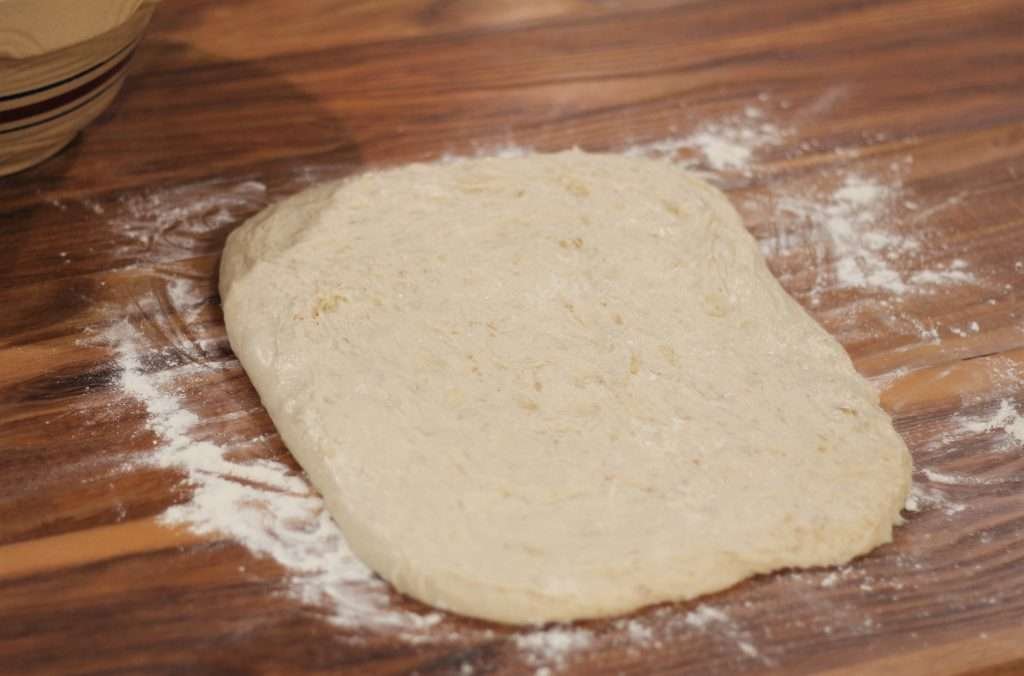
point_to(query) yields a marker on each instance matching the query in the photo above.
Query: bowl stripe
(46, 105)
(58, 83)
(67, 111)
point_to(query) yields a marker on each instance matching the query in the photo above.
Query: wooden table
(231, 105)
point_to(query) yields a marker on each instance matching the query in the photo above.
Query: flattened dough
(555, 386)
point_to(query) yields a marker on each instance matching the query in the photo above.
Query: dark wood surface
(289, 93)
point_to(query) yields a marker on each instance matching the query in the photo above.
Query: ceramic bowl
(61, 64)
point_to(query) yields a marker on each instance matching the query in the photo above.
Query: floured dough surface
(555, 386)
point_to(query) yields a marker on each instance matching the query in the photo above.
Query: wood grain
(222, 96)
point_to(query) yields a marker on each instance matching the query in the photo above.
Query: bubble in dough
(555, 386)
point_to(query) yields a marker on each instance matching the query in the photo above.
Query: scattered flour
(184, 295)
(728, 148)
(705, 615)
(830, 579)
(94, 206)
(639, 633)
(964, 332)
(940, 477)
(850, 231)
(955, 272)
(922, 498)
(553, 647)
(952, 479)
(503, 150)
(725, 145)
(709, 619)
(1006, 418)
(862, 257)
(183, 212)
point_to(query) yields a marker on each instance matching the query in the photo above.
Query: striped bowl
(58, 76)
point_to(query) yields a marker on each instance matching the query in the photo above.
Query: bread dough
(555, 386)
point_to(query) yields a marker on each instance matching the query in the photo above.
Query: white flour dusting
(638, 632)
(1006, 418)
(185, 296)
(955, 272)
(850, 230)
(553, 647)
(952, 479)
(709, 619)
(725, 145)
(830, 579)
(180, 214)
(705, 615)
(921, 499)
